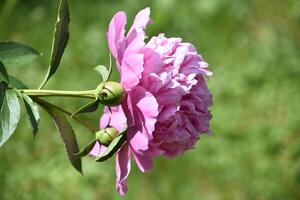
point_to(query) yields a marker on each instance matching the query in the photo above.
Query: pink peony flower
(167, 100)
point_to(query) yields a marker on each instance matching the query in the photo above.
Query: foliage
(253, 50)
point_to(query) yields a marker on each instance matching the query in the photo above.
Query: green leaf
(3, 87)
(114, 146)
(33, 113)
(86, 150)
(90, 107)
(13, 54)
(66, 132)
(102, 70)
(9, 115)
(91, 126)
(16, 83)
(60, 39)
(3, 73)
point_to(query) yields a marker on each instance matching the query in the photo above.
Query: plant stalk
(91, 94)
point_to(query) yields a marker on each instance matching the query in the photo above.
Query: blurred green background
(253, 48)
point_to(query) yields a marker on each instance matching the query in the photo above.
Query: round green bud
(107, 135)
(99, 133)
(111, 93)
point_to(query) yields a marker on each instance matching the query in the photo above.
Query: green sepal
(86, 150)
(111, 93)
(103, 71)
(114, 146)
(90, 107)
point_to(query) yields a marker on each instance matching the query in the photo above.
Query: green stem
(91, 94)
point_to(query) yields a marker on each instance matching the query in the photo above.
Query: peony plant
(160, 107)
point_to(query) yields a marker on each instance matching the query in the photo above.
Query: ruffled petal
(144, 112)
(116, 35)
(122, 169)
(153, 63)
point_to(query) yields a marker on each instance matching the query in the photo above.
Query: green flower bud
(111, 93)
(107, 135)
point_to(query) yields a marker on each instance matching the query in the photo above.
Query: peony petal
(131, 71)
(128, 110)
(152, 62)
(135, 43)
(98, 149)
(116, 118)
(164, 46)
(116, 35)
(141, 20)
(167, 112)
(122, 169)
(144, 162)
(145, 113)
(147, 108)
(136, 35)
(138, 141)
(105, 118)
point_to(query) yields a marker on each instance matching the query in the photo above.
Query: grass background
(253, 48)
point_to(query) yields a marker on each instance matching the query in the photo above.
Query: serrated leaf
(90, 107)
(103, 71)
(86, 150)
(9, 115)
(114, 146)
(33, 113)
(16, 83)
(60, 39)
(66, 132)
(13, 54)
(3, 73)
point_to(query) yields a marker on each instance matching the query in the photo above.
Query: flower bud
(111, 94)
(107, 135)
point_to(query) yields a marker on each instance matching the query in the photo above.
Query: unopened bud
(107, 135)
(111, 94)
